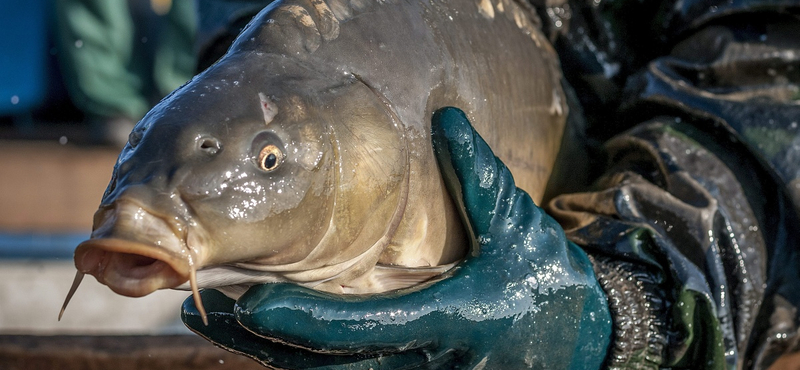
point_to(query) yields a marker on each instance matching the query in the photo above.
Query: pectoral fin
(384, 278)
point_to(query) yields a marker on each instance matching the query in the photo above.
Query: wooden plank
(48, 187)
(178, 352)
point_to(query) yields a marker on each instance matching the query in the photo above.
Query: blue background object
(23, 55)
(40, 245)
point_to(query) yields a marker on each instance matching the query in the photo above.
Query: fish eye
(270, 158)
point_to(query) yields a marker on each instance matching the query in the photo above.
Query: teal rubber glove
(524, 298)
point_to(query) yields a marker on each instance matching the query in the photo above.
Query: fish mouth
(131, 268)
(135, 252)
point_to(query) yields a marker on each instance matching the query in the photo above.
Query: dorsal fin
(291, 27)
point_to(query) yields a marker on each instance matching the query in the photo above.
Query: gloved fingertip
(213, 300)
(482, 179)
(328, 322)
(266, 297)
(452, 134)
(219, 313)
(277, 310)
(452, 122)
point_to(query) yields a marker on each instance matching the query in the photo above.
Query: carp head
(256, 164)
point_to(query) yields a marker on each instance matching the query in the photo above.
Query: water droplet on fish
(15, 100)
(78, 44)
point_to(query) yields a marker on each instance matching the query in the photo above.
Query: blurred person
(120, 57)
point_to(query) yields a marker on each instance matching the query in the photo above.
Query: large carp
(304, 154)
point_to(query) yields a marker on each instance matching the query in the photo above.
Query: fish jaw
(134, 252)
(130, 268)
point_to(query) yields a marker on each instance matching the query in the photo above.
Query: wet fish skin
(356, 204)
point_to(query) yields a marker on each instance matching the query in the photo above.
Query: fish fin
(326, 21)
(268, 108)
(233, 291)
(75, 283)
(396, 277)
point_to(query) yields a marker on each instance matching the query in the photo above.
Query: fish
(304, 154)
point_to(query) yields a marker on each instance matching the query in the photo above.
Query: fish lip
(107, 216)
(131, 268)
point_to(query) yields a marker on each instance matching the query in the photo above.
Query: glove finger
(224, 331)
(478, 179)
(378, 324)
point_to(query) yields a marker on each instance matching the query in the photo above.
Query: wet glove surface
(524, 298)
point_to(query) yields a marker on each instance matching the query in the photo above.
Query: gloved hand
(525, 297)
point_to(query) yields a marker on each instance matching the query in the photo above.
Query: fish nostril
(209, 145)
(135, 137)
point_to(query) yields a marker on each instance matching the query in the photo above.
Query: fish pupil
(270, 161)
(270, 158)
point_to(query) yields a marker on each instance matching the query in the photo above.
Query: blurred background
(75, 76)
